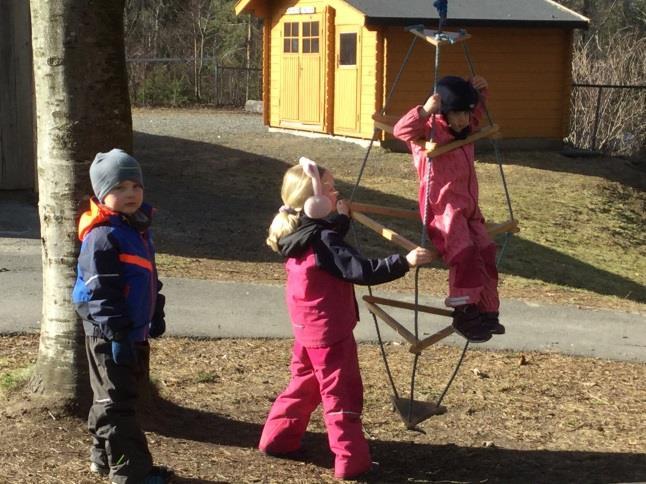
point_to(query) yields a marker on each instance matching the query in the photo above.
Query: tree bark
(82, 107)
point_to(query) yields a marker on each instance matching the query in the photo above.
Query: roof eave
(254, 7)
(455, 22)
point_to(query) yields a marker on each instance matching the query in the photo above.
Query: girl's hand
(479, 83)
(419, 256)
(343, 208)
(432, 105)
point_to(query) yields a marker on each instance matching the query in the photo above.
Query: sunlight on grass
(583, 224)
(13, 380)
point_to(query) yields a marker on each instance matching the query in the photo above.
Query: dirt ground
(511, 418)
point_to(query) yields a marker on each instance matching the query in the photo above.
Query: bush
(160, 84)
(621, 123)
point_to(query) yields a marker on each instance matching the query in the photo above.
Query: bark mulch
(512, 417)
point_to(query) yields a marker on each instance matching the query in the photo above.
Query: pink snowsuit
(325, 367)
(455, 224)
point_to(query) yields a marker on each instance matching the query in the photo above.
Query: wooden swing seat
(416, 345)
(419, 412)
(386, 122)
(373, 303)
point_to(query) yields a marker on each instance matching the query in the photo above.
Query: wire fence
(608, 118)
(178, 82)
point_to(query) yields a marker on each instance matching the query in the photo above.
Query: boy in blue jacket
(117, 296)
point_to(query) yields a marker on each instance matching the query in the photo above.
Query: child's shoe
(100, 469)
(492, 324)
(298, 454)
(467, 322)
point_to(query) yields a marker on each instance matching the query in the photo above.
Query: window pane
(286, 44)
(294, 29)
(315, 29)
(348, 49)
(306, 29)
(306, 45)
(294, 45)
(315, 45)
(288, 29)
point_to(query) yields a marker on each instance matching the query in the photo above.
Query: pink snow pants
(468, 250)
(328, 375)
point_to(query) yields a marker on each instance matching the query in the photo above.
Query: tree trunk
(82, 107)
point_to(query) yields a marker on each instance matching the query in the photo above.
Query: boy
(454, 223)
(117, 296)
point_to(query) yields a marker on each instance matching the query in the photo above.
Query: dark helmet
(457, 94)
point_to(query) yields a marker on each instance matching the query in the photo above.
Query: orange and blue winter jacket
(117, 290)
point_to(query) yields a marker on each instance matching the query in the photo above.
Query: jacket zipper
(153, 299)
(471, 169)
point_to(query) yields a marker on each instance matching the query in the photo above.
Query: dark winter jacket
(321, 269)
(117, 290)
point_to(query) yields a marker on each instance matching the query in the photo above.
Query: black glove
(123, 351)
(158, 323)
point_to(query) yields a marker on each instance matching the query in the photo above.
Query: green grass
(206, 377)
(13, 380)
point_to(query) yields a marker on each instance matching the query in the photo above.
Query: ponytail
(296, 188)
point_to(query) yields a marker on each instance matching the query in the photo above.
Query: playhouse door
(301, 81)
(346, 88)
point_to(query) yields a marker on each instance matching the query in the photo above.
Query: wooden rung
(431, 340)
(385, 122)
(494, 228)
(389, 211)
(445, 37)
(433, 150)
(383, 231)
(510, 226)
(417, 412)
(406, 305)
(390, 321)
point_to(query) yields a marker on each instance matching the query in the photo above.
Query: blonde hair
(297, 187)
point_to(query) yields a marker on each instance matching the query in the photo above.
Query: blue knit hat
(457, 94)
(111, 168)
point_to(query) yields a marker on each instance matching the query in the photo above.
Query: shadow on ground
(216, 202)
(629, 173)
(413, 462)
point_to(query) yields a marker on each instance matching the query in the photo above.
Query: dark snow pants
(117, 439)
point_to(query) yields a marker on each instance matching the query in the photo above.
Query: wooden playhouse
(328, 65)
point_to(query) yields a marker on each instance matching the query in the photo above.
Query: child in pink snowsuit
(455, 224)
(321, 269)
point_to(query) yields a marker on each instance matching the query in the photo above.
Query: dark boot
(490, 323)
(467, 322)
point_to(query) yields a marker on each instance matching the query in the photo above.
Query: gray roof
(537, 13)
